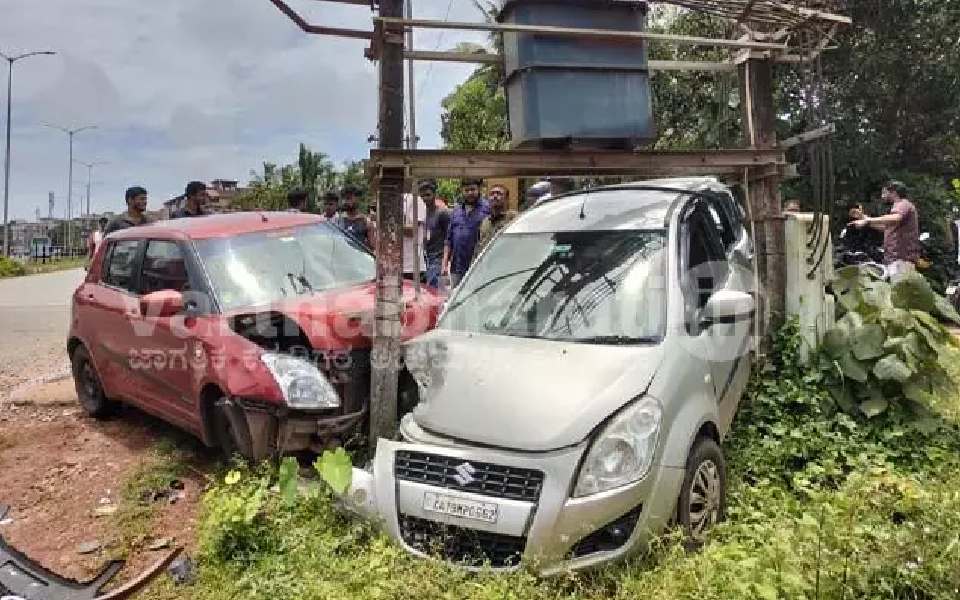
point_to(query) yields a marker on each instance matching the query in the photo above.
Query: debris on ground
(89, 547)
(182, 571)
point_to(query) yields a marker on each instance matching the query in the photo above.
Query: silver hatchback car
(578, 385)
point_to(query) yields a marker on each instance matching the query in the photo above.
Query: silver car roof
(639, 205)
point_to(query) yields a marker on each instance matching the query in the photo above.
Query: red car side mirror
(165, 303)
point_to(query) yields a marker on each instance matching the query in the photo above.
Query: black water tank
(586, 92)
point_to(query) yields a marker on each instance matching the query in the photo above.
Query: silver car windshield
(267, 266)
(603, 287)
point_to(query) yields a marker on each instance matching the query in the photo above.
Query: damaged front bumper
(269, 430)
(523, 513)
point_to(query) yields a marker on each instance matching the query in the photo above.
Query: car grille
(467, 547)
(511, 483)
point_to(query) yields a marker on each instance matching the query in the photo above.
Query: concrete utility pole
(759, 122)
(70, 133)
(386, 354)
(6, 171)
(90, 167)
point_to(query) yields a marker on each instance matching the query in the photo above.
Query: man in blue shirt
(464, 232)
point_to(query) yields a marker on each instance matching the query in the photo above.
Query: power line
(446, 17)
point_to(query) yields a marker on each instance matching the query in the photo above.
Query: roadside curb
(21, 395)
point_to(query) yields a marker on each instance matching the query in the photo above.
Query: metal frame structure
(769, 29)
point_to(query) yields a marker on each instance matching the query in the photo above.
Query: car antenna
(583, 206)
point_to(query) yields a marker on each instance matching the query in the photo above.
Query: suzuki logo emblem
(465, 473)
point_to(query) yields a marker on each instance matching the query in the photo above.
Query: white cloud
(196, 89)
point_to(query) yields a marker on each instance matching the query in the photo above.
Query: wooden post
(386, 338)
(759, 124)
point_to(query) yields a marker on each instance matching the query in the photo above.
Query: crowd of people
(449, 238)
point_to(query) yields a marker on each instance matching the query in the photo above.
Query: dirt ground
(58, 467)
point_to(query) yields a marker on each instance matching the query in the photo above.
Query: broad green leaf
(766, 591)
(874, 407)
(852, 321)
(232, 478)
(946, 310)
(841, 395)
(915, 390)
(893, 342)
(867, 342)
(891, 368)
(288, 479)
(878, 294)
(913, 291)
(336, 469)
(853, 369)
(897, 316)
(927, 319)
(835, 342)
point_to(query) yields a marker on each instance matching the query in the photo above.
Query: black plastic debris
(182, 571)
(23, 578)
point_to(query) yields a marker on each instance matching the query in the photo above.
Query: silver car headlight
(302, 383)
(623, 451)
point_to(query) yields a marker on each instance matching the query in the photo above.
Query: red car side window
(118, 267)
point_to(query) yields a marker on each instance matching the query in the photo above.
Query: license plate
(460, 507)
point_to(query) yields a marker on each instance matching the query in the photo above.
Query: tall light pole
(6, 172)
(90, 167)
(70, 133)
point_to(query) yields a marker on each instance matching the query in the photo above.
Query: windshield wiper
(614, 340)
(302, 281)
(486, 284)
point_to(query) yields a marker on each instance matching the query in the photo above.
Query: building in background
(222, 193)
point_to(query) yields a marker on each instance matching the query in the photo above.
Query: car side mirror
(165, 303)
(727, 307)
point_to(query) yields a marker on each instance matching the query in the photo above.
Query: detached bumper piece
(466, 547)
(22, 578)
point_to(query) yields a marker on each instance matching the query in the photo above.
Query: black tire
(703, 496)
(230, 441)
(90, 392)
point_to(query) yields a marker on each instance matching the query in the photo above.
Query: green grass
(133, 520)
(822, 505)
(35, 268)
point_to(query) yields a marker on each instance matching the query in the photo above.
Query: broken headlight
(302, 383)
(623, 451)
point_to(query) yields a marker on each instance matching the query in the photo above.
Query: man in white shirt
(413, 260)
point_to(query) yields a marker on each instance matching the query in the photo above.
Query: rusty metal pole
(386, 339)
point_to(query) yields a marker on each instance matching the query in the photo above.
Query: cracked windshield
(597, 286)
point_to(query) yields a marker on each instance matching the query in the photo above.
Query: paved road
(34, 318)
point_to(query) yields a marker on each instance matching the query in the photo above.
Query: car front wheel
(89, 388)
(703, 496)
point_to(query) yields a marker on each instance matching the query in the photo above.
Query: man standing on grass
(464, 233)
(136, 213)
(901, 230)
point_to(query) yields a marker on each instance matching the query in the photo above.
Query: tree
(475, 115)
(315, 169)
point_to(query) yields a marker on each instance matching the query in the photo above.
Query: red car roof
(213, 226)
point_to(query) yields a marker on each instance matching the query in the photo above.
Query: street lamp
(70, 133)
(90, 167)
(6, 172)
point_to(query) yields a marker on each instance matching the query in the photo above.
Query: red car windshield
(259, 268)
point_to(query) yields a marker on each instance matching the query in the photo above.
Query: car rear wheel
(703, 496)
(90, 392)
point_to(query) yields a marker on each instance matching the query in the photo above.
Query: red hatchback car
(251, 330)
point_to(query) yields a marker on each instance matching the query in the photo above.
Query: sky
(194, 89)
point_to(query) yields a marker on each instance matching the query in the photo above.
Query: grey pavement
(34, 320)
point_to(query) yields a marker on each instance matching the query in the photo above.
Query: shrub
(888, 347)
(11, 268)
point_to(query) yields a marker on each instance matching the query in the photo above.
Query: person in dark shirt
(868, 241)
(500, 215)
(136, 213)
(464, 231)
(331, 206)
(297, 200)
(352, 220)
(437, 224)
(195, 201)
